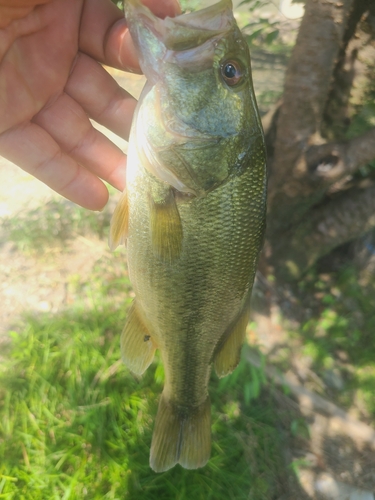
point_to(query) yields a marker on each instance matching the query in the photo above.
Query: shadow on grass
(74, 423)
(331, 321)
(339, 337)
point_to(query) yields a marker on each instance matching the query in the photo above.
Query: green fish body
(192, 216)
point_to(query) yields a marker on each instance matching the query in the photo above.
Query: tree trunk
(346, 217)
(308, 214)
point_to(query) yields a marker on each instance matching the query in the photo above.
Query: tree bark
(346, 217)
(336, 116)
(311, 208)
(307, 86)
(328, 163)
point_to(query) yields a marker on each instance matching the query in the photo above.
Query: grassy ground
(74, 423)
(52, 224)
(339, 337)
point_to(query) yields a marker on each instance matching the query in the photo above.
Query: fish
(192, 216)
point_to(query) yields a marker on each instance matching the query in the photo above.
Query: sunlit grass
(75, 424)
(344, 328)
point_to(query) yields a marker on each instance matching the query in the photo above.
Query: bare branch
(346, 217)
(330, 162)
(269, 123)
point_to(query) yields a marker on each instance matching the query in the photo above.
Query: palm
(50, 83)
(38, 63)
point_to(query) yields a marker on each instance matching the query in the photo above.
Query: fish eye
(231, 72)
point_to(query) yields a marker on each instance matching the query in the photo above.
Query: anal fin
(229, 354)
(137, 346)
(120, 222)
(181, 436)
(165, 225)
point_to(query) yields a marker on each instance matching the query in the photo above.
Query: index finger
(104, 34)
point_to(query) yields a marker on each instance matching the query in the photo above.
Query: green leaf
(271, 37)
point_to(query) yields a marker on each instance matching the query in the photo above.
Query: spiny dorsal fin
(118, 231)
(165, 226)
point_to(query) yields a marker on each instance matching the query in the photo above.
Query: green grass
(344, 326)
(75, 424)
(52, 224)
(191, 5)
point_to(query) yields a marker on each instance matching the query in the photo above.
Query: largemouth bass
(192, 216)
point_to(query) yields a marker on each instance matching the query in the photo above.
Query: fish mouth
(182, 32)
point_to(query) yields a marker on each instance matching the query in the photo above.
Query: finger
(101, 19)
(9, 14)
(11, 10)
(69, 126)
(31, 148)
(112, 43)
(22, 3)
(100, 96)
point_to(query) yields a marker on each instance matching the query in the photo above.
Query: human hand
(51, 83)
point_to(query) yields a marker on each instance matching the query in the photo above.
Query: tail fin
(182, 437)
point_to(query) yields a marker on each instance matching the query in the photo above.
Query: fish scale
(193, 238)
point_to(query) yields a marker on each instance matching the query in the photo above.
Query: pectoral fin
(165, 225)
(137, 346)
(229, 354)
(119, 224)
